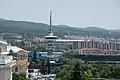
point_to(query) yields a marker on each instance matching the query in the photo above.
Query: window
(16, 69)
(23, 55)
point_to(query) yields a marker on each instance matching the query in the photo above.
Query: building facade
(6, 62)
(21, 66)
(22, 55)
(3, 46)
(104, 47)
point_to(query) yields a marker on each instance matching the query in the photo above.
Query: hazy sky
(75, 13)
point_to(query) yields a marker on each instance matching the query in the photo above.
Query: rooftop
(21, 63)
(13, 48)
(3, 42)
(4, 53)
(69, 40)
(22, 52)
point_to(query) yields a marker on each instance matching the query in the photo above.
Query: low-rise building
(22, 55)
(21, 66)
(51, 55)
(18, 53)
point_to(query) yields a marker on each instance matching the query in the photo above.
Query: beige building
(92, 46)
(21, 66)
(22, 55)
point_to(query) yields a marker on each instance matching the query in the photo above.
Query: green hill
(41, 29)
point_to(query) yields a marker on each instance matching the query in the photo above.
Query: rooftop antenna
(50, 28)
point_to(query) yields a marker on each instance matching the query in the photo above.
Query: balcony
(4, 59)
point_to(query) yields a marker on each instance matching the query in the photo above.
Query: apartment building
(105, 47)
(6, 62)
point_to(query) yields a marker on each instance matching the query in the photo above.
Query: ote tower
(51, 38)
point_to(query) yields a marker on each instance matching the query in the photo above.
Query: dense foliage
(77, 70)
(20, 76)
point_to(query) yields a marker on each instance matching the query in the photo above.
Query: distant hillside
(95, 29)
(41, 29)
(2, 19)
(62, 25)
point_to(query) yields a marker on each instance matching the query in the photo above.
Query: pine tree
(11, 52)
(34, 59)
(43, 67)
(48, 66)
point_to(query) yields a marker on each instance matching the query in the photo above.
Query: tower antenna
(50, 28)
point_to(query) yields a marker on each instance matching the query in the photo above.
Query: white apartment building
(6, 62)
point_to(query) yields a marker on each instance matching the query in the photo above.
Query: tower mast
(50, 28)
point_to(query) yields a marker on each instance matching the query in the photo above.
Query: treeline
(76, 70)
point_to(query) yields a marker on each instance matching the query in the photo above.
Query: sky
(74, 13)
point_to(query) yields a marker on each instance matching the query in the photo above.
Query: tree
(34, 59)
(65, 73)
(87, 75)
(23, 75)
(48, 66)
(22, 44)
(76, 72)
(20, 76)
(43, 67)
(72, 69)
(40, 48)
(11, 52)
(15, 76)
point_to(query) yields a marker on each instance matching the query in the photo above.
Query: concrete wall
(5, 74)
